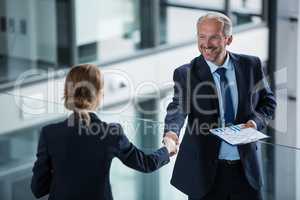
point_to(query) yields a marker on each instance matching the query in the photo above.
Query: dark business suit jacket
(73, 161)
(195, 97)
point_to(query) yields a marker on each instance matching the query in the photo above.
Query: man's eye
(214, 38)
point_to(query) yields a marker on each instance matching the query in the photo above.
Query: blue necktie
(226, 97)
(227, 151)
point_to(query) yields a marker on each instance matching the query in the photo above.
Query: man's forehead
(211, 25)
(210, 22)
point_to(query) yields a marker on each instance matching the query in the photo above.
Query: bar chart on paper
(236, 135)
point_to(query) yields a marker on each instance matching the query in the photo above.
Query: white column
(297, 172)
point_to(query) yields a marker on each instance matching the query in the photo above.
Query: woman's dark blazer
(73, 160)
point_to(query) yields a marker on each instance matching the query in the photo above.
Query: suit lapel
(240, 82)
(202, 72)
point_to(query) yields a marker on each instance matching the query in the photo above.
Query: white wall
(287, 33)
(287, 181)
(101, 19)
(297, 173)
(19, 45)
(40, 40)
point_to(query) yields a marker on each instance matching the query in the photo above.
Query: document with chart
(237, 135)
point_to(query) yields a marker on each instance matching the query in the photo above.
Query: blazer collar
(240, 73)
(213, 67)
(202, 69)
(74, 118)
(202, 73)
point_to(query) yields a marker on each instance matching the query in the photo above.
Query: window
(50, 35)
(106, 30)
(182, 15)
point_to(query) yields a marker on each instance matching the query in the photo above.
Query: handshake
(170, 141)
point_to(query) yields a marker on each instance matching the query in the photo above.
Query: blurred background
(137, 44)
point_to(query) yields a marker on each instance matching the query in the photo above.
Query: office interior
(137, 44)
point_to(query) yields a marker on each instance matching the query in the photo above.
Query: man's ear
(229, 40)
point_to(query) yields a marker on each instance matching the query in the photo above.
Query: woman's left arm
(42, 174)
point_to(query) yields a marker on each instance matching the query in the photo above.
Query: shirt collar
(213, 67)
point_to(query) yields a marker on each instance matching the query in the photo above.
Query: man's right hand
(170, 145)
(173, 136)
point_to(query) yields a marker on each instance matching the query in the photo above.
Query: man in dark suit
(215, 89)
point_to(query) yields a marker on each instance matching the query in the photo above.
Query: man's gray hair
(226, 21)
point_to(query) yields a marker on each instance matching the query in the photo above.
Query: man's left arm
(263, 100)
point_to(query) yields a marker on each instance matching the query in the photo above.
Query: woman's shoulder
(53, 125)
(104, 130)
(111, 130)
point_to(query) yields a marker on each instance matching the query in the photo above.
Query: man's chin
(209, 58)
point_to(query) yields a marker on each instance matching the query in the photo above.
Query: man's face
(211, 41)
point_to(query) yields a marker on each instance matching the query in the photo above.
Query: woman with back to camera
(74, 156)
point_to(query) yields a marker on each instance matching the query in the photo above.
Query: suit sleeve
(135, 158)
(42, 174)
(263, 100)
(177, 108)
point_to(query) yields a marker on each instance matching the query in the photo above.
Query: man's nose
(206, 42)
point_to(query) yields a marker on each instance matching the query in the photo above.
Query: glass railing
(22, 118)
(280, 167)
